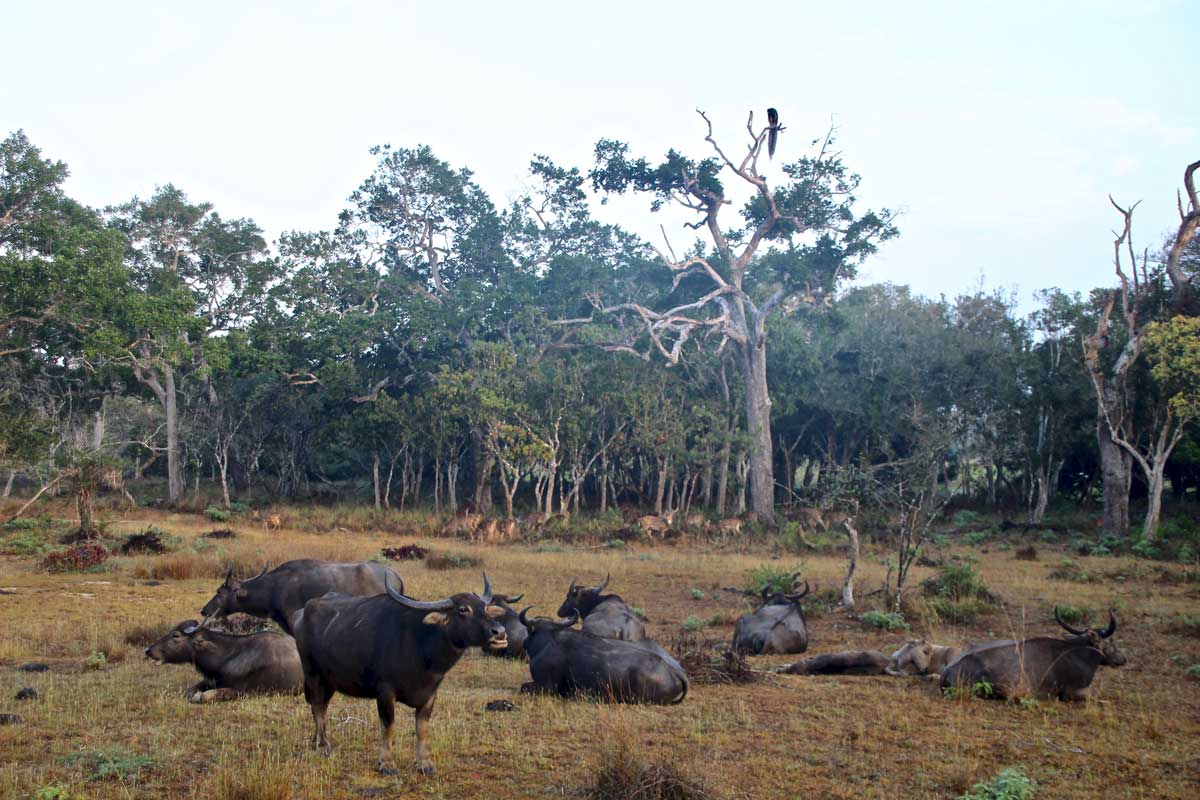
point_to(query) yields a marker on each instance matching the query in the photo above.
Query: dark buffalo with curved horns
(283, 591)
(501, 610)
(231, 665)
(1042, 667)
(604, 615)
(566, 662)
(776, 627)
(389, 647)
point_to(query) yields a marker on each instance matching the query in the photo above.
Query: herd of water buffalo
(350, 628)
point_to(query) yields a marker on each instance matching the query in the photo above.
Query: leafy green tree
(790, 248)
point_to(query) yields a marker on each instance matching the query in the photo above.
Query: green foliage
(22, 524)
(24, 544)
(890, 621)
(95, 662)
(109, 763)
(697, 594)
(1011, 784)
(772, 578)
(957, 593)
(694, 623)
(1069, 569)
(965, 517)
(1072, 615)
(215, 514)
(1145, 548)
(53, 791)
(638, 612)
(1193, 671)
(981, 689)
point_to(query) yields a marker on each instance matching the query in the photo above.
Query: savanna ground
(785, 736)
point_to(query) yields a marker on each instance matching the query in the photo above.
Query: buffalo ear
(928, 648)
(241, 593)
(200, 643)
(436, 618)
(495, 612)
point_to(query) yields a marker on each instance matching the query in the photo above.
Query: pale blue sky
(998, 129)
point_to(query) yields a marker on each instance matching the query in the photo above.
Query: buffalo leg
(422, 714)
(386, 706)
(214, 696)
(318, 695)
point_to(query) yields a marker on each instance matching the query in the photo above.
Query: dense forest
(433, 348)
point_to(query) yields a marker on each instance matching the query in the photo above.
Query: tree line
(434, 348)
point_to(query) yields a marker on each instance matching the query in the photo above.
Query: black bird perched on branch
(773, 129)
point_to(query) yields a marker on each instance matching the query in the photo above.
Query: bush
(772, 578)
(442, 561)
(965, 517)
(1010, 784)
(1193, 671)
(116, 761)
(151, 540)
(623, 773)
(221, 533)
(890, 621)
(1072, 615)
(76, 559)
(25, 544)
(698, 594)
(959, 612)
(95, 662)
(1070, 570)
(217, 514)
(53, 791)
(22, 524)
(406, 552)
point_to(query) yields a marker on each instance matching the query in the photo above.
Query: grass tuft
(443, 561)
(622, 772)
(1011, 784)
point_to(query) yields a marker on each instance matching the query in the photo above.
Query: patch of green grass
(217, 514)
(983, 689)
(1193, 671)
(54, 791)
(96, 661)
(24, 544)
(694, 623)
(965, 517)
(614, 543)
(1070, 570)
(772, 578)
(698, 594)
(1011, 784)
(890, 621)
(111, 762)
(638, 612)
(22, 524)
(959, 612)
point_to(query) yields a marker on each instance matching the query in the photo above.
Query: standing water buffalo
(776, 627)
(389, 647)
(604, 615)
(283, 591)
(567, 661)
(919, 657)
(231, 665)
(515, 633)
(1043, 667)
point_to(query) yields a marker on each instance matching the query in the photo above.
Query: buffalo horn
(190, 629)
(229, 573)
(802, 595)
(1066, 627)
(521, 616)
(571, 588)
(607, 578)
(1112, 625)
(262, 572)
(514, 598)
(419, 605)
(568, 623)
(486, 597)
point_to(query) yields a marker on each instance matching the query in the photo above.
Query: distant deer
(651, 523)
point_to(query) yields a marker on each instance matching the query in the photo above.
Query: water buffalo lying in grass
(232, 665)
(604, 615)
(919, 657)
(1042, 667)
(283, 591)
(389, 647)
(776, 627)
(566, 662)
(502, 610)
(850, 662)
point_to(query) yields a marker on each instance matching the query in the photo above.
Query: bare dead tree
(1116, 435)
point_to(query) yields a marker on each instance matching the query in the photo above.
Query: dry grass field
(784, 737)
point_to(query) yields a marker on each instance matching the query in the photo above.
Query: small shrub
(623, 773)
(638, 612)
(959, 612)
(965, 517)
(24, 544)
(772, 578)
(151, 540)
(239, 507)
(983, 689)
(53, 791)
(1010, 784)
(442, 561)
(406, 552)
(1071, 570)
(711, 660)
(1193, 671)
(976, 537)
(1027, 553)
(76, 559)
(116, 761)
(890, 621)
(614, 543)
(95, 662)
(22, 524)
(1072, 615)
(957, 582)
(217, 514)
(1144, 548)
(221, 533)
(694, 623)
(698, 594)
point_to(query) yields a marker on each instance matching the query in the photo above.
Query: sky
(995, 130)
